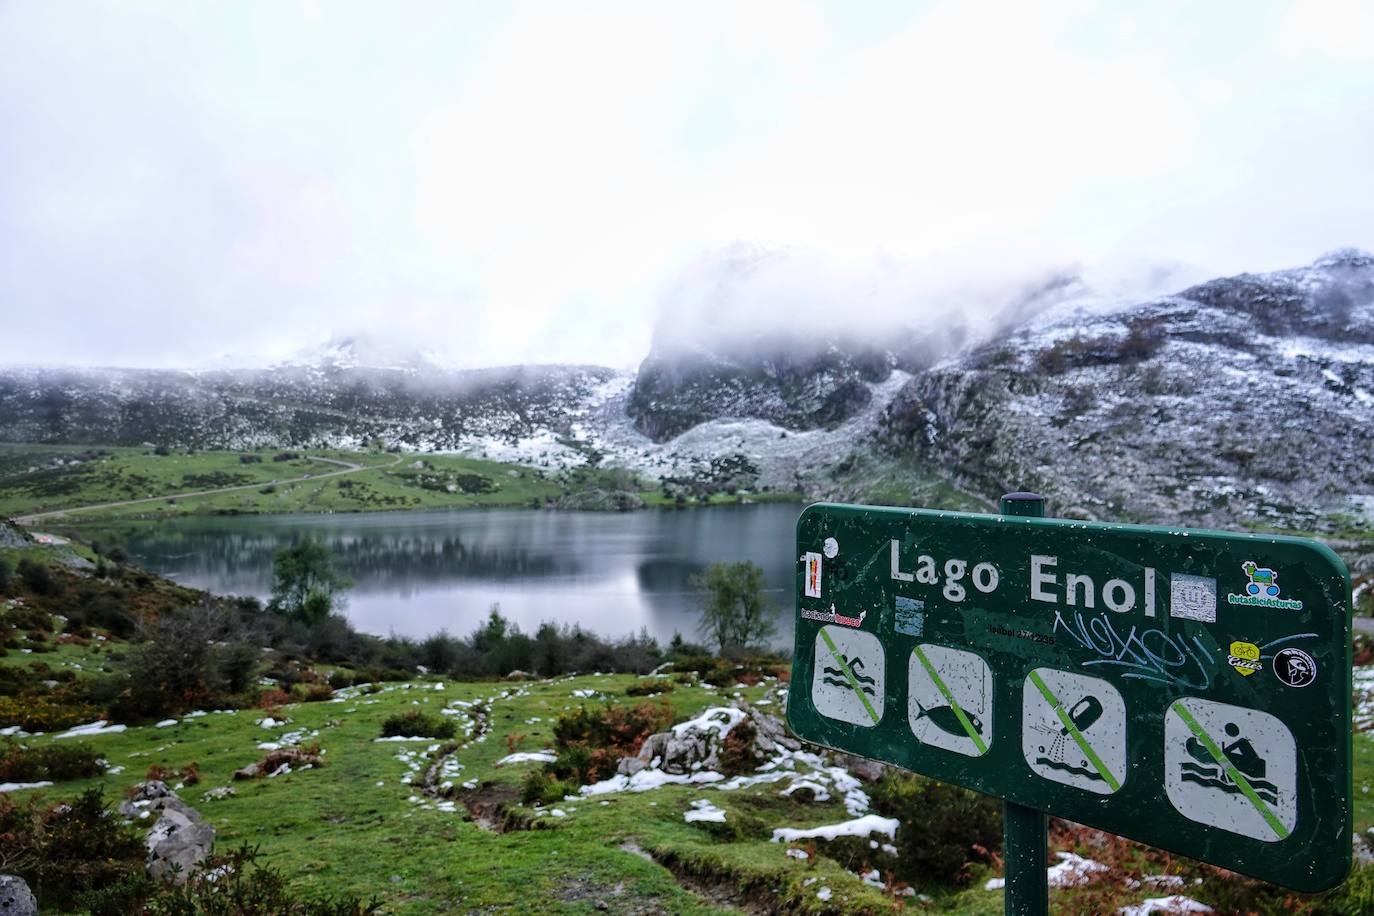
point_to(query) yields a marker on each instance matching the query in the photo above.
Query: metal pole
(1025, 831)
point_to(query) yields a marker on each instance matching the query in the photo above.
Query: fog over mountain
(538, 183)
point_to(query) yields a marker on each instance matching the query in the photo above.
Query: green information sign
(1188, 689)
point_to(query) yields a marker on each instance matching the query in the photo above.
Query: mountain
(1242, 399)
(314, 405)
(1245, 398)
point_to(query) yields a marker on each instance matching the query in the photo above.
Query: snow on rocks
(1176, 903)
(165, 723)
(21, 786)
(858, 827)
(528, 757)
(696, 744)
(703, 810)
(100, 727)
(1072, 871)
(645, 780)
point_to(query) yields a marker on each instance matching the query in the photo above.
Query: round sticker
(831, 548)
(1295, 667)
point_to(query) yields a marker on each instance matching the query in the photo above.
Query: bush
(232, 884)
(188, 659)
(55, 762)
(543, 788)
(63, 850)
(593, 740)
(6, 576)
(417, 724)
(38, 578)
(26, 617)
(45, 713)
(945, 828)
(651, 686)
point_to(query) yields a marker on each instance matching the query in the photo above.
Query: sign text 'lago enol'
(1189, 689)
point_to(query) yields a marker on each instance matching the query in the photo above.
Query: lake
(419, 572)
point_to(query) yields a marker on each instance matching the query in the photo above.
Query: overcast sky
(529, 182)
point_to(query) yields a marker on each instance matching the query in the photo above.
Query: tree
(306, 584)
(735, 615)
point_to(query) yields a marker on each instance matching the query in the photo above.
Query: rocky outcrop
(1248, 398)
(12, 536)
(719, 739)
(179, 840)
(15, 897)
(793, 384)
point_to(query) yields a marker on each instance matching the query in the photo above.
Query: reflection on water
(419, 572)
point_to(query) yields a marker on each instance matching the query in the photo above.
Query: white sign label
(1231, 767)
(1193, 597)
(950, 699)
(848, 676)
(1073, 730)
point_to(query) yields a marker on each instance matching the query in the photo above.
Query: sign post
(1025, 831)
(1188, 689)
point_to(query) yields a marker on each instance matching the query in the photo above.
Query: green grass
(882, 481)
(334, 828)
(30, 485)
(353, 825)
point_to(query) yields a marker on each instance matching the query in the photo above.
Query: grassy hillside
(45, 478)
(358, 823)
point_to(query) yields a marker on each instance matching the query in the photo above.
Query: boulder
(862, 767)
(177, 844)
(143, 796)
(15, 897)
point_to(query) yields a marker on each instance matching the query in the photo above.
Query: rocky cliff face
(789, 379)
(291, 406)
(1246, 398)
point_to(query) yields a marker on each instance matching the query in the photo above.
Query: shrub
(316, 693)
(55, 762)
(231, 884)
(593, 740)
(65, 849)
(737, 753)
(26, 617)
(956, 828)
(38, 578)
(645, 688)
(417, 724)
(6, 576)
(45, 713)
(544, 788)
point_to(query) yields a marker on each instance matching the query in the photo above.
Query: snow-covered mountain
(1248, 398)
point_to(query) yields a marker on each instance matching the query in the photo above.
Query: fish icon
(945, 719)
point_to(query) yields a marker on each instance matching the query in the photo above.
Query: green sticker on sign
(1188, 689)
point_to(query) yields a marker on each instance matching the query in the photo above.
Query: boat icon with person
(1241, 758)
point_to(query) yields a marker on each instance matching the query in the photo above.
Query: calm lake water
(419, 572)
